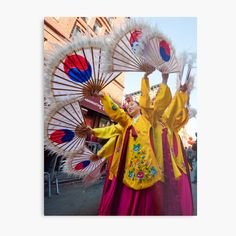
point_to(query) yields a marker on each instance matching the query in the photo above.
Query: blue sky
(182, 31)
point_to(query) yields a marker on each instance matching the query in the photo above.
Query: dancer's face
(133, 109)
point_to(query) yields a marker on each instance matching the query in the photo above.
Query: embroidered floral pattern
(137, 147)
(114, 107)
(139, 168)
(130, 174)
(140, 175)
(153, 171)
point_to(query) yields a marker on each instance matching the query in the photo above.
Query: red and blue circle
(62, 136)
(82, 165)
(165, 50)
(134, 38)
(77, 68)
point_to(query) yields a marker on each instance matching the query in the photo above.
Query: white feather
(115, 36)
(48, 113)
(192, 112)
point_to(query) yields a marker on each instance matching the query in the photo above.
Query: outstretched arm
(144, 100)
(181, 119)
(114, 111)
(162, 99)
(177, 105)
(108, 148)
(107, 132)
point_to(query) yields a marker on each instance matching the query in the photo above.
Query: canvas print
(120, 125)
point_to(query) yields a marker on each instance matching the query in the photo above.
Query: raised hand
(165, 77)
(148, 70)
(83, 131)
(99, 94)
(183, 88)
(94, 157)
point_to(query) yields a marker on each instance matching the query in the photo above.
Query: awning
(93, 103)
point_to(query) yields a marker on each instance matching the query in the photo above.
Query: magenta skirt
(185, 193)
(172, 198)
(118, 199)
(177, 193)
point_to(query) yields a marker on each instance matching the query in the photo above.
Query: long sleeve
(115, 112)
(145, 101)
(162, 100)
(176, 106)
(107, 132)
(108, 149)
(181, 119)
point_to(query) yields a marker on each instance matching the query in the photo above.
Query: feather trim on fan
(192, 112)
(178, 82)
(79, 164)
(157, 50)
(62, 122)
(190, 84)
(95, 175)
(186, 64)
(74, 70)
(123, 42)
(183, 61)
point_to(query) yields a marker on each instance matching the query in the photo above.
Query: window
(96, 27)
(98, 23)
(85, 19)
(76, 30)
(57, 18)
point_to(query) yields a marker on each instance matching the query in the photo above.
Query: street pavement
(75, 199)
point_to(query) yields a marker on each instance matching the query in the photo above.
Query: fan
(79, 164)
(74, 70)
(157, 50)
(94, 176)
(63, 124)
(123, 43)
(192, 112)
(187, 63)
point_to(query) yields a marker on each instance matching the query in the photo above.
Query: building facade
(60, 30)
(136, 95)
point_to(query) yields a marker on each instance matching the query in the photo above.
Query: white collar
(136, 119)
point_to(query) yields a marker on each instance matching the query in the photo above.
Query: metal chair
(51, 167)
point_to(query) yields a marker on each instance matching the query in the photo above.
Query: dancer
(136, 188)
(178, 193)
(167, 117)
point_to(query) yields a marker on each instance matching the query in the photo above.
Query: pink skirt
(118, 199)
(185, 193)
(177, 193)
(172, 198)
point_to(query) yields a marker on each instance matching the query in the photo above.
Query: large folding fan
(157, 51)
(63, 124)
(79, 164)
(121, 53)
(74, 70)
(186, 61)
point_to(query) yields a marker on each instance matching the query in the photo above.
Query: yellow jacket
(110, 132)
(141, 166)
(175, 117)
(153, 112)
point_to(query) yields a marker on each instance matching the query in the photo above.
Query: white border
(22, 119)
